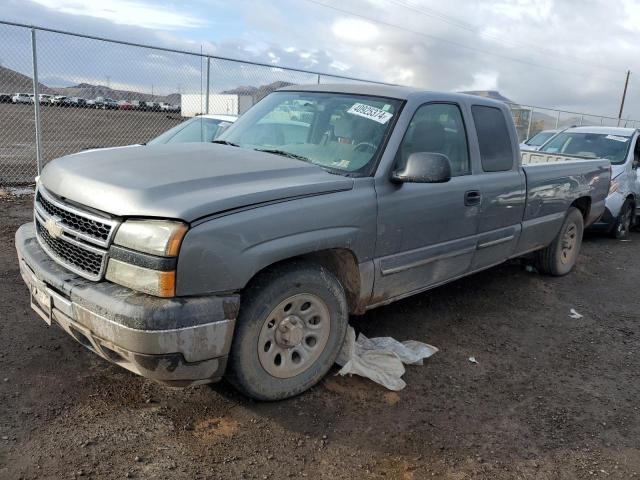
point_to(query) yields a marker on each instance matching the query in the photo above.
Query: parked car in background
(58, 100)
(622, 147)
(45, 98)
(151, 106)
(203, 128)
(124, 105)
(109, 104)
(22, 98)
(136, 104)
(167, 107)
(75, 102)
(5, 98)
(247, 255)
(539, 139)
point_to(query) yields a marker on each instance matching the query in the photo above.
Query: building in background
(193, 104)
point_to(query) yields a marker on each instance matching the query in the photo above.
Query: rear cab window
(496, 152)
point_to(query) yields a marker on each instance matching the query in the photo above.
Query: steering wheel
(364, 146)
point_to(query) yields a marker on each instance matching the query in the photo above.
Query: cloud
(566, 54)
(127, 12)
(354, 30)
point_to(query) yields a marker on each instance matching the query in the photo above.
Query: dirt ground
(550, 398)
(69, 130)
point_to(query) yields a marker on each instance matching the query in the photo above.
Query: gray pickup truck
(244, 257)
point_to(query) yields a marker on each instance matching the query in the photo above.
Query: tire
(624, 221)
(265, 329)
(561, 255)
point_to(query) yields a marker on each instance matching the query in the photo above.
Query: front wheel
(291, 326)
(559, 258)
(621, 227)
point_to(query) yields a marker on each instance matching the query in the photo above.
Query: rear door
(501, 186)
(426, 231)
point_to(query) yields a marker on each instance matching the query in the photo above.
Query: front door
(426, 231)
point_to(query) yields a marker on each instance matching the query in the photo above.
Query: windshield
(539, 138)
(594, 145)
(197, 129)
(339, 132)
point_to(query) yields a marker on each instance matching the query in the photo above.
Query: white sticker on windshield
(372, 113)
(617, 138)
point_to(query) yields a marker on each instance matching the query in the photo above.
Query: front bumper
(176, 341)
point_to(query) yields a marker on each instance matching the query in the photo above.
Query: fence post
(206, 108)
(558, 119)
(529, 126)
(36, 100)
(318, 79)
(581, 119)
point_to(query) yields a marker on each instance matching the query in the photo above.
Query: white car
(57, 100)
(621, 146)
(166, 107)
(203, 128)
(22, 98)
(535, 142)
(45, 98)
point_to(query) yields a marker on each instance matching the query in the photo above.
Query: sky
(567, 54)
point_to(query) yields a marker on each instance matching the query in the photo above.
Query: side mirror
(424, 167)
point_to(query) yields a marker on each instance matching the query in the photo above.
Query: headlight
(154, 282)
(161, 238)
(157, 237)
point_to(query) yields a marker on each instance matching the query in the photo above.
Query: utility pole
(624, 95)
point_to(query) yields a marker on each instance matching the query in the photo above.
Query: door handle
(472, 197)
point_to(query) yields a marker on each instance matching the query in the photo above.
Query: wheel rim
(294, 335)
(569, 241)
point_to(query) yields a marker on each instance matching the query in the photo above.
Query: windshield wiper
(225, 142)
(283, 153)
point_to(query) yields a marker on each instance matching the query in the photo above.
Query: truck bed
(533, 157)
(552, 188)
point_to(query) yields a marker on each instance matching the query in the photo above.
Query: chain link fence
(530, 120)
(93, 93)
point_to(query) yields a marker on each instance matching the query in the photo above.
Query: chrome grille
(88, 262)
(74, 238)
(93, 228)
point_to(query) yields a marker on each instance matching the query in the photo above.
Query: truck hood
(183, 181)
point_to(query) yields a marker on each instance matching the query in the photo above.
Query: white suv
(22, 98)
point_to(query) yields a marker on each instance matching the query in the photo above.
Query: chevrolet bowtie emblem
(54, 226)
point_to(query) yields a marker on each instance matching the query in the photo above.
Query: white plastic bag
(381, 359)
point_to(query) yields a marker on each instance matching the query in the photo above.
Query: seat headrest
(343, 127)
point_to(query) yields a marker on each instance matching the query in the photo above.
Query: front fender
(224, 253)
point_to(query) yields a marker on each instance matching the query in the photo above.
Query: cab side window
(438, 128)
(496, 153)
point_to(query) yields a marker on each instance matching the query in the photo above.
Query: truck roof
(389, 91)
(621, 131)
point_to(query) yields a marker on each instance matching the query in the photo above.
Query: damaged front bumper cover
(176, 341)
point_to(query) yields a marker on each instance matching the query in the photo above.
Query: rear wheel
(621, 227)
(291, 325)
(560, 257)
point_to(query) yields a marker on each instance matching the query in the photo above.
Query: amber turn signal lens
(145, 280)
